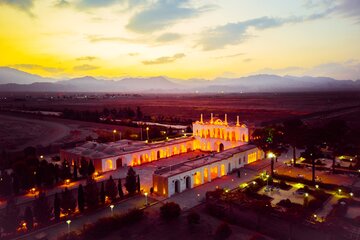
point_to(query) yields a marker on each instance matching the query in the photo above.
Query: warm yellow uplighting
(114, 131)
(67, 181)
(306, 194)
(271, 155)
(351, 194)
(317, 186)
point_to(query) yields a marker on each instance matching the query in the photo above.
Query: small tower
(212, 119)
(237, 121)
(225, 121)
(201, 119)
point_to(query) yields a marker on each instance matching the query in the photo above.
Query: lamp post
(112, 209)
(68, 224)
(147, 133)
(114, 132)
(146, 199)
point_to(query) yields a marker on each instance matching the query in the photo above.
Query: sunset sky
(181, 39)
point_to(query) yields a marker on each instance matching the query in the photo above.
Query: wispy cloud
(23, 5)
(106, 3)
(133, 54)
(98, 38)
(230, 56)
(238, 32)
(162, 14)
(168, 37)
(86, 58)
(162, 60)
(85, 67)
(37, 67)
(62, 3)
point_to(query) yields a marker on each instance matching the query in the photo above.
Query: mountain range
(13, 80)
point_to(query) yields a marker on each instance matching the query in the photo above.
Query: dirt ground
(153, 227)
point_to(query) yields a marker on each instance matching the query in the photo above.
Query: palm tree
(293, 134)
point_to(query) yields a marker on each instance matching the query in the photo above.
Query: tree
(293, 134)
(91, 168)
(65, 170)
(312, 152)
(110, 188)
(138, 183)
(75, 171)
(223, 231)
(83, 170)
(335, 132)
(29, 218)
(139, 114)
(10, 219)
(121, 193)
(57, 204)
(81, 200)
(193, 218)
(130, 181)
(41, 208)
(68, 202)
(102, 194)
(92, 194)
(16, 184)
(5, 184)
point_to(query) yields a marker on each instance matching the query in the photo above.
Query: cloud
(97, 38)
(106, 3)
(238, 32)
(247, 60)
(163, 60)
(24, 5)
(230, 56)
(349, 8)
(133, 54)
(62, 3)
(344, 8)
(85, 67)
(86, 58)
(37, 67)
(162, 14)
(168, 37)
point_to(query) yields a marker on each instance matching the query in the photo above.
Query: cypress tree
(121, 193)
(81, 200)
(57, 207)
(16, 184)
(91, 168)
(110, 189)
(92, 194)
(68, 202)
(75, 172)
(41, 207)
(10, 218)
(138, 183)
(102, 194)
(29, 218)
(130, 182)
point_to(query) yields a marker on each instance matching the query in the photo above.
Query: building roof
(209, 159)
(95, 150)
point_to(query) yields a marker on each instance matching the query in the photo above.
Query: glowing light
(67, 181)
(315, 216)
(316, 186)
(41, 156)
(306, 194)
(254, 183)
(114, 131)
(271, 155)
(351, 194)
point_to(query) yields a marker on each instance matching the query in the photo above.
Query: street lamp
(68, 224)
(114, 132)
(112, 209)
(147, 133)
(146, 199)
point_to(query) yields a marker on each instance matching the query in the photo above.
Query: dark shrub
(315, 204)
(170, 210)
(223, 231)
(193, 218)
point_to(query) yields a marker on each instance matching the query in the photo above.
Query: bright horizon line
(119, 78)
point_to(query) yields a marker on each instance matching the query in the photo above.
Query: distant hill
(12, 75)
(13, 80)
